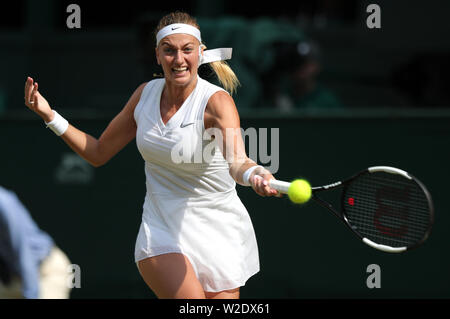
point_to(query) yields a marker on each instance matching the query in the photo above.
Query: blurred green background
(369, 97)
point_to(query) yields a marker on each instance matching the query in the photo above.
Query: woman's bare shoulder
(221, 110)
(221, 103)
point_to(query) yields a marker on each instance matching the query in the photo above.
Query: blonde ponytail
(226, 76)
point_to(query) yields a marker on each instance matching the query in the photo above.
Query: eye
(188, 49)
(168, 50)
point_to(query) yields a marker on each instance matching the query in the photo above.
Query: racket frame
(342, 216)
(284, 186)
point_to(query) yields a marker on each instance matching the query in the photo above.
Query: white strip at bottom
(385, 248)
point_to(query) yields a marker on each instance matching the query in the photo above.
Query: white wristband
(247, 173)
(58, 125)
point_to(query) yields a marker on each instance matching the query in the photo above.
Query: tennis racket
(386, 207)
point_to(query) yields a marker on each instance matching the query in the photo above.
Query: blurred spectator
(31, 266)
(425, 80)
(294, 81)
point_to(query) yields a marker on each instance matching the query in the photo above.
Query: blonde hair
(223, 71)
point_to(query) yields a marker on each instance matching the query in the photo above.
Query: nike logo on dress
(184, 125)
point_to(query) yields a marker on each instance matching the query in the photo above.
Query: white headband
(178, 28)
(208, 55)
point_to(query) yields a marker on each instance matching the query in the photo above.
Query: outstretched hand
(36, 102)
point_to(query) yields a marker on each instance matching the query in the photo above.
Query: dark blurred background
(343, 96)
(294, 55)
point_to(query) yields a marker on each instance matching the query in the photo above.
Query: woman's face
(178, 56)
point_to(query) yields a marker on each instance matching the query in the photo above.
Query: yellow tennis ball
(299, 191)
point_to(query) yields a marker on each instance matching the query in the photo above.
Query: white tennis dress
(191, 206)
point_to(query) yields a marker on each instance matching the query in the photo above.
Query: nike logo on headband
(178, 28)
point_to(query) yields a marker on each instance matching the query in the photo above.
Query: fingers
(33, 97)
(31, 93)
(29, 87)
(261, 186)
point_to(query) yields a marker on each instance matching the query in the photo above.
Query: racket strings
(417, 223)
(388, 218)
(389, 222)
(388, 209)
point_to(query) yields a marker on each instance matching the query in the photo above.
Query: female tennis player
(196, 239)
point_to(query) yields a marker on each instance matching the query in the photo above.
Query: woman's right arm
(120, 131)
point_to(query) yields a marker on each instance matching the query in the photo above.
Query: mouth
(179, 71)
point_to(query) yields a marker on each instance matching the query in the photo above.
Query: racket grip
(280, 186)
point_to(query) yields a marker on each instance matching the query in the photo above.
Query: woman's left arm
(222, 119)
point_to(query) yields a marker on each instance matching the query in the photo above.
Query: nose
(179, 57)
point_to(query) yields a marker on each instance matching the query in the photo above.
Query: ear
(200, 51)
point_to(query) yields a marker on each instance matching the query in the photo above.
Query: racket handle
(280, 186)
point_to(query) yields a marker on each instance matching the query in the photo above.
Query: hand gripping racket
(386, 207)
